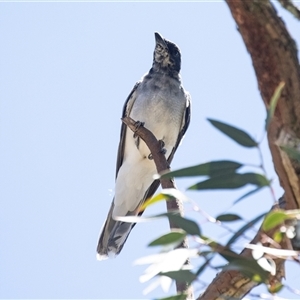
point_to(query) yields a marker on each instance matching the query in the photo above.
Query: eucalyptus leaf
(238, 135)
(212, 168)
(247, 194)
(273, 103)
(234, 181)
(228, 217)
(181, 276)
(187, 225)
(169, 238)
(273, 219)
(165, 194)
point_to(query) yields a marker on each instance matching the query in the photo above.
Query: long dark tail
(113, 236)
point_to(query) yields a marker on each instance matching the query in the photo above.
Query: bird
(162, 105)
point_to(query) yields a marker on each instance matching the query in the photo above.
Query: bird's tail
(113, 236)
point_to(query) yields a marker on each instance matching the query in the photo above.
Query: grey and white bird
(161, 103)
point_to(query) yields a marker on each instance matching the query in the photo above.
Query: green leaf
(278, 236)
(175, 297)
(256, 179)
(187, 225)
(273, 219)
(244, 228)
(249, 267)
(174, 237)
(238, 135)
(181, 276)
(159, 197)
(247, 195)
(211, 169)
(166, 194)
(228, 218)
(291, 152)
(234, 181)
(275, 287)
(273, 103)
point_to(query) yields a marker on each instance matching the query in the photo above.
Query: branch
(235, 285)
(274, 57)
(162, 165)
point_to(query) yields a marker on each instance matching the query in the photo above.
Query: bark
(274, 57)
(234, 284)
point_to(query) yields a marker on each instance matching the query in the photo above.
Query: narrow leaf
(228, 218)
(159, 197)
(273, 219)
(273, 103)
(244, 228)
(238, 135)
(275, 287)
(187, 225)
(291, 152)
(213, 168)
(181, 276)
(234, 181)
(247, 195)
(256, 179)
(169, 238)
(166, 194)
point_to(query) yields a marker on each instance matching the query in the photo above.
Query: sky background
(65, 72)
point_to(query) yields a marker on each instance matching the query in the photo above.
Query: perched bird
(161, 103)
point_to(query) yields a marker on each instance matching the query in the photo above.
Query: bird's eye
(176, 53)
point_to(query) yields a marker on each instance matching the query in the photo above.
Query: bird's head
(166, 55)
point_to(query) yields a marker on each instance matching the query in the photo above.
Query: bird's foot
(137, 125)
(161, 145)
(162, 149)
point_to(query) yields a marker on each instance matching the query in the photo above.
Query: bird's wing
(185, 124)
(126, 111)
(115, 233)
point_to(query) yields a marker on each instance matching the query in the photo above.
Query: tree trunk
(274, 58)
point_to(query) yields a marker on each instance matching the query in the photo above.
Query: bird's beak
(160, 40)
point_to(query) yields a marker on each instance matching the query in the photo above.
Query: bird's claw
(162, 149)
(161, 145)
(137, 125)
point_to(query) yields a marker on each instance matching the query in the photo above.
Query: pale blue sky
(65, 72)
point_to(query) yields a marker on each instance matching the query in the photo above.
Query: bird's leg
(161, 145)
(162, 149)
(137, 125)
